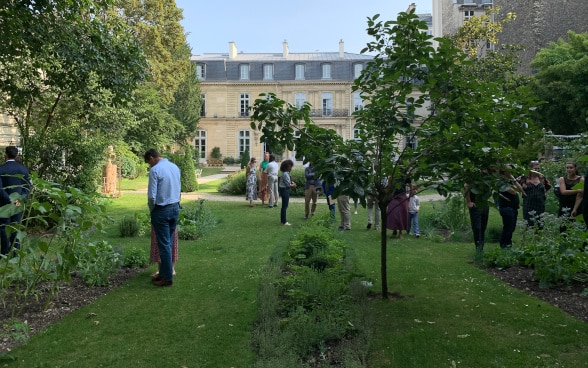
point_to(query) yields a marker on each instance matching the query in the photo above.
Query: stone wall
(540, 22)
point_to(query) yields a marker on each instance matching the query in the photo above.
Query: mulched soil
(73, 296)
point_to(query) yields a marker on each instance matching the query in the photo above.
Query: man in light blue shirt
(163, 199)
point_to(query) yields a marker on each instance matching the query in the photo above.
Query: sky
(308, 25)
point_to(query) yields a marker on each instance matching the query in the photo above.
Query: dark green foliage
(136, 258)
(244, 159)
(234, 184)
(229, 160)
(185, 162)
(561, 82)
(128, 227)
(216, 153)
(97, 261)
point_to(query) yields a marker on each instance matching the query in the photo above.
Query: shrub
(195, 221)
(96, 262)
(216, 153)
(244, 159)
(229, 160)
(128, 227)
(234, 184)
(136, 258)
(187, 169)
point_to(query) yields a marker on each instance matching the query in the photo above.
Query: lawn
(448, 313)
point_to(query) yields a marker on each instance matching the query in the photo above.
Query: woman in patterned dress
(251, 186)
(154, 253)
(263, 188)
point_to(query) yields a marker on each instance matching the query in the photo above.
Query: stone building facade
(538, 22)
(231, 82)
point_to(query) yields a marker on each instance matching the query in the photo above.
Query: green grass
(451, 313)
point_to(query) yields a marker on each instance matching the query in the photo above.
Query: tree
(168, 103)
(561, 82)
(63, 64)
(410, 91)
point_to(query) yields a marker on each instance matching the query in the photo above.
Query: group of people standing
(533, 187)
(266, 185)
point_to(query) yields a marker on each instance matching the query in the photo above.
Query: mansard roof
(273, 57)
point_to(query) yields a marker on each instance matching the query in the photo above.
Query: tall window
(327, 98)
(201, 71)
(356, 133)
(299, 69)
(200, 143)
(326, 71)
(244, 71)
(357, 101)
(244, 104)
(203, 107)
(357, 68)
(299, 99)
(244, 142)
(411, 142)
(468, 14)
(268, 71)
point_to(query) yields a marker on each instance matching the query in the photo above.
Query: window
(357, 102)
(327, 99)
(326, 71)
(244, 71)
(299, 99)
(244, 142)
(200, 143)
(203, 107)
(244, 104)
(357, 68)
(468, 14)
(356, 133)
(268, 72)
(299, 70)
(201, 71)
(410, 142)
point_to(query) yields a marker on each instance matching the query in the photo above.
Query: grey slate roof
(308, 56)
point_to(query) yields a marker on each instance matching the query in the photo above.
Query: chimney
(341, 49)
(232, 50)
(285, 47)
(410, 7)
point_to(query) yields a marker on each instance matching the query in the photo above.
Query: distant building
(231, 82)
(9, 135)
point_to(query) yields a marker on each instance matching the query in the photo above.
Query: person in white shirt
(272, 181)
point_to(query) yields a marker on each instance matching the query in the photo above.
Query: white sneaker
(287, 224)
(355, 213)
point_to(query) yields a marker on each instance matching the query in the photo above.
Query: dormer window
(268, 72)
(326, 71)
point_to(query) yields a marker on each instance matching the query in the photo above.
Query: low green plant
(97, 261)
(16, 330)
(195, 221)
(312, 303)
(135, 258)
(128, 227)
(66, 216)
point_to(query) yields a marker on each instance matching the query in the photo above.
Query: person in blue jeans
(163, 199)
(508, 204)
(284, 185)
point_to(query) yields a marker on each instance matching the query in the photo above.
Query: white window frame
(200, 143)
(244, 142)
(203, 107)
(244, 71)
(356, 132)
(299, 71)
(411, 141)
(268, 71)
(299, 99)
(357, 69)
(357, 101)
(244, 105)
(467, 14)
(326, 69)
(201, 71)
(327, 103)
